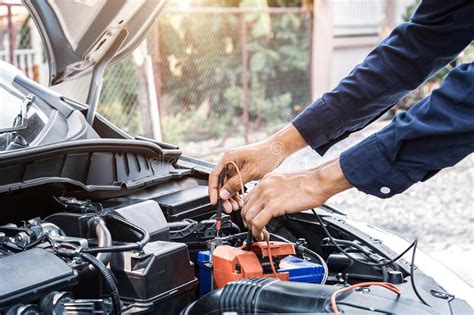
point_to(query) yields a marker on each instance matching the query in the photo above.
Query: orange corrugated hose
(385, 285)
(266, 235)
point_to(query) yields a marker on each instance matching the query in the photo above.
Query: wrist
(287, 141)
(331, 178)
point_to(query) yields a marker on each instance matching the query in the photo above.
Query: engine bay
(157, 251)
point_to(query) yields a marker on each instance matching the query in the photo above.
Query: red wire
(270, 257)
(267, 237)
(385, 285)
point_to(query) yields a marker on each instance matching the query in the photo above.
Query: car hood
(79, 33)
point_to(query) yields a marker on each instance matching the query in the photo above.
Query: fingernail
(227, 207)
(225, 194)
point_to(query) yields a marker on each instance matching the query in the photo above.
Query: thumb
(231, 187)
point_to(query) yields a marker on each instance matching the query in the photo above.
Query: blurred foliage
(201, 70)
(410, 10)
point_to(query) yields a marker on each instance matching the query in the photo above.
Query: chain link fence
(220, 74)
(207, 76)
(122, 97)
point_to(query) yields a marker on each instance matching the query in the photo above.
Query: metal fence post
(153, 99)
(310, 25)
(245, 76)
(156, 62)
(322, 46)
(391, 14)
(11, 35)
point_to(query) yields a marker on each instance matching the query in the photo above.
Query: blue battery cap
(301, 270)
(205, 272)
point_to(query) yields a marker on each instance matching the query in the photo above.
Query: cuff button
(385, 190)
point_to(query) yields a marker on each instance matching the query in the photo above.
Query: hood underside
(79, 33)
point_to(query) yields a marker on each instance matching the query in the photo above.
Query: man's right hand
(254, 161)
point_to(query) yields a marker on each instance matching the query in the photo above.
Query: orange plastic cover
(232, 263)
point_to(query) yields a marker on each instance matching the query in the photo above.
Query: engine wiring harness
(413, 246)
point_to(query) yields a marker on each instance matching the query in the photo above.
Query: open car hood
(77, 34)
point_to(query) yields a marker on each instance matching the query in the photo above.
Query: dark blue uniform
(435, 133)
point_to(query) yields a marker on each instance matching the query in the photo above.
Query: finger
(254, 210)
(261, 219)
(235, 205)
(252, 194)
(240, 201)
(227, 206)
(214, 182)
(250, 199)
(266, 235)
(230, 171)
(257, 234)
(232, 186)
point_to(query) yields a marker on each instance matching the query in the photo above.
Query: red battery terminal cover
(233, 263)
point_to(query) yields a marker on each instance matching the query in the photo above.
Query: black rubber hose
(412, 267)
(106, 275)
(385, 263)
(108, 279)
(122, 248)
(366, 253)
(412, 275)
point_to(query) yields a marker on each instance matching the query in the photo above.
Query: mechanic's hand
(279, 194)
(254, 161)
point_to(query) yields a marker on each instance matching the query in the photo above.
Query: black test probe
(220, 201)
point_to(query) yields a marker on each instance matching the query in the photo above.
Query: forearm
(435, 133)
(286, 141)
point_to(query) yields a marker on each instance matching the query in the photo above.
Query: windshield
(21, 120)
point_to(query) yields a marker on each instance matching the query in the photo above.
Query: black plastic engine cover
(189, 203)
(162, 278)
(147, 215)
(29, 275)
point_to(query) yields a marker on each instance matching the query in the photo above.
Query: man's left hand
(280, 194)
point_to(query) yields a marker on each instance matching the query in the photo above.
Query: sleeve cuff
(366, 168)
(317, 124)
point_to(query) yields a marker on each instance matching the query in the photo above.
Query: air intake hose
(263, 295)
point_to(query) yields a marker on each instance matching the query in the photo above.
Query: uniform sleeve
(435, 133)
(438, 31)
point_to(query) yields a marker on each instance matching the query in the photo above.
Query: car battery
(290, 267)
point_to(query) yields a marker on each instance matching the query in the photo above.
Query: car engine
(163, 255)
